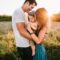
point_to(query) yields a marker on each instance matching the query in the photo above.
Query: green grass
(8, 48)
(52, 44)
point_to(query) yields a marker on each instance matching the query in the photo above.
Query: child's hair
(32, 13)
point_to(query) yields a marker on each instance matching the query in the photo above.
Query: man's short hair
(31, 1)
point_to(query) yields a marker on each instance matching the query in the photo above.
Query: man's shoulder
(18, 10)
(18, 15)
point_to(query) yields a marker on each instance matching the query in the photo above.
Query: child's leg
(33, 50)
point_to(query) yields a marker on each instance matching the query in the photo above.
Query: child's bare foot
(33, 53)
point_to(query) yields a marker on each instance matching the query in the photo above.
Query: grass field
(8, 48)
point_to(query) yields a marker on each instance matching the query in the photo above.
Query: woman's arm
(41, 35)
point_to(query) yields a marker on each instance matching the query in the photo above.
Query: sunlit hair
(41, 16)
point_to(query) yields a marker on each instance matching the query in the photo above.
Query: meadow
(8, 48)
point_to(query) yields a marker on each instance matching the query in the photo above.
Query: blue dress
(40, 53)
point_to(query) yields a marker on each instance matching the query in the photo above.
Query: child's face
(32, 18)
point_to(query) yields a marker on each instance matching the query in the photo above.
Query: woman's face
(32, 18)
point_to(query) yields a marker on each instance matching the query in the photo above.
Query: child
(32, 24)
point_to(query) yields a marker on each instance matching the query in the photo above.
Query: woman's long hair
(41, 17)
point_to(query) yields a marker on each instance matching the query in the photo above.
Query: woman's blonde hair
(41, 16)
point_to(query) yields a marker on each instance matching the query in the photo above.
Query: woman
(39, 35)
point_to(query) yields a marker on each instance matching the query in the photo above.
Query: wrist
(31, 33)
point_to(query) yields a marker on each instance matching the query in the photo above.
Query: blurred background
(7, 42)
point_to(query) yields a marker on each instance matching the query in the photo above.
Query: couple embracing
(30, 36)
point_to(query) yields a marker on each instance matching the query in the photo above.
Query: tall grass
(8, 49)
(52, 44)
(7, 42)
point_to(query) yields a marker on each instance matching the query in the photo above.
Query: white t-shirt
(19, 16)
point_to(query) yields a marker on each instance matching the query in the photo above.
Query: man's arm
(22, 30)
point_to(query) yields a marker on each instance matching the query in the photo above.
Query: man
(22, 37)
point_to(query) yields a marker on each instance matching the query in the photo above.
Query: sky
(7, 7)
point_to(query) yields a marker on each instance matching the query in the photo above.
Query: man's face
(30, 7)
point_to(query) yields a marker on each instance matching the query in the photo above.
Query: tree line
(5, 18)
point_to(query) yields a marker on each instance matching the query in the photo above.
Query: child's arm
(29, 26)
(34, 25)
